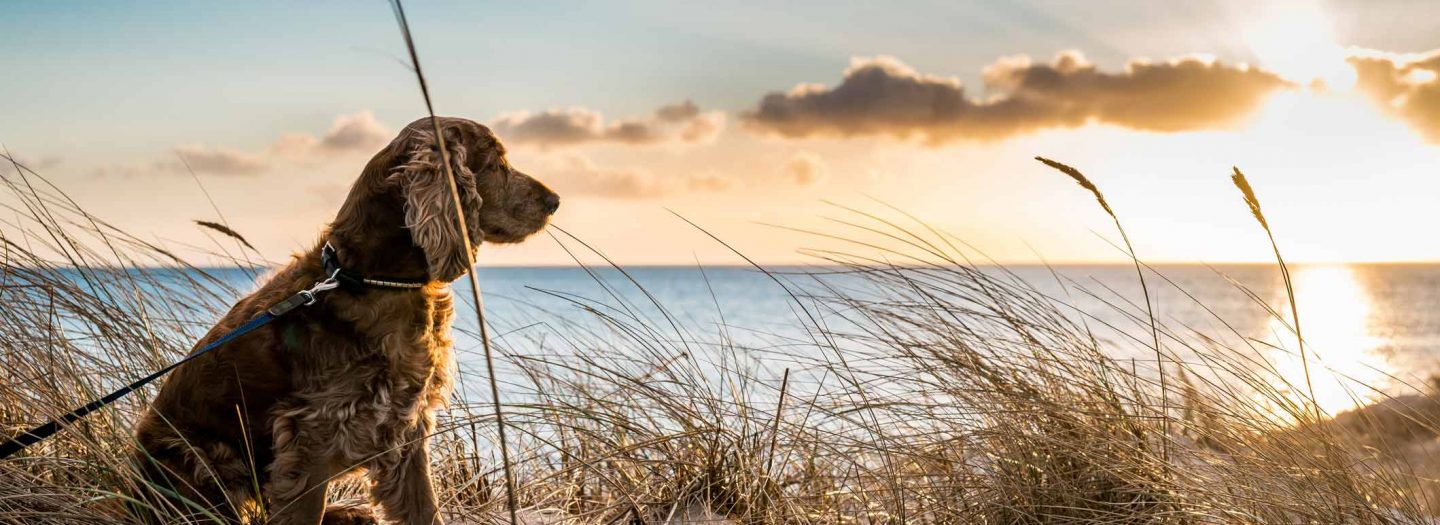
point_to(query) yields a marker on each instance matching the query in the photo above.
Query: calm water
(1363, 322)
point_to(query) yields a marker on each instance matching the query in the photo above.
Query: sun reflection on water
(1335, 311)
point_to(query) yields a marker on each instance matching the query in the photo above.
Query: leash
(337, 277)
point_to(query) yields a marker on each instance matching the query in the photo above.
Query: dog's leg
(401, 481)
(297, 493)
(350, 514)
(299, 475)
(181, 475)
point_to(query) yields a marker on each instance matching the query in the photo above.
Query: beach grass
(925, 389)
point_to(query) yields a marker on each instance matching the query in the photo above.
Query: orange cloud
(683, 122)
(1404, 85)
(883, 96)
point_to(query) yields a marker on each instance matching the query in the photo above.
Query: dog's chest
(416, 366)
(399, 376)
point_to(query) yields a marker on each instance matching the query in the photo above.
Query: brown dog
(350, 382)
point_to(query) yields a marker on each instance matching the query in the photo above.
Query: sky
(759, 121)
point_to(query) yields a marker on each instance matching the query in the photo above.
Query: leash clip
(330, 283)
(305, 297)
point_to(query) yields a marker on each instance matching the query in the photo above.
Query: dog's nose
(552, 203)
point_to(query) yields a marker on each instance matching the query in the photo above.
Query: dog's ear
(430, 205)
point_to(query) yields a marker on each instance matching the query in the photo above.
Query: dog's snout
(552, 203)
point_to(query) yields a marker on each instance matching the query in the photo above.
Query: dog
(351, 382)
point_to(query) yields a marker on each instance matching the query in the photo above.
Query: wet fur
(350, 384)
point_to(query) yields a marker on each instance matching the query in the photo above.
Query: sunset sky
(741, 116)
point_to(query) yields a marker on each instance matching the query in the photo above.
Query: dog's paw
(350, 515)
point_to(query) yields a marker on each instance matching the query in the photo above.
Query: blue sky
(102, 95)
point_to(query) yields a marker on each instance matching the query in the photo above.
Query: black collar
(331, 260)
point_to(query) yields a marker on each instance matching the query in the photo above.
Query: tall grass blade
(225, 230)
(1253, 203)
(1084, 182)
(510, 496)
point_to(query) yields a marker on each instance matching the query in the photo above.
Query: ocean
(1367, 324)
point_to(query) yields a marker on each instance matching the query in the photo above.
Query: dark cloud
(1405, 85)
(677, 112)
(683, 122)
(882, 96)
(551, 127)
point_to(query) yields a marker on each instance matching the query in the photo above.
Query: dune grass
(926, 389)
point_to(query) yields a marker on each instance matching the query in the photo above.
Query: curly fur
(430, 207)
(350, 384)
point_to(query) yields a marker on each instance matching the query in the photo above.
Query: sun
(1296, 40)
(1346, 367)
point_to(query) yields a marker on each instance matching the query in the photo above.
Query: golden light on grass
(1005, 408)
(1343, 351)
(1238, 178)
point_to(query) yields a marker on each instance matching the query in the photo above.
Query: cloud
(677, 112)
(683, 122)
(806, 168)
(349, 133)
(217, 161)
(574, 174)
(356, 132)
(38, 165)
(1404, 85)
(883, 96)
(359, 131)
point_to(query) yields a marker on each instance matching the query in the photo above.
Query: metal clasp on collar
(305, 297)
(330, 283)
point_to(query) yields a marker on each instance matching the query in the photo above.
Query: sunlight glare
(1294, 39)
(1334, 317)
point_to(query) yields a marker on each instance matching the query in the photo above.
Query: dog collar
(331, 260)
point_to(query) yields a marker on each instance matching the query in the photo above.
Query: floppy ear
(430, 206)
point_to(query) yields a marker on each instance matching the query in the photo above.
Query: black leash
(338, 276)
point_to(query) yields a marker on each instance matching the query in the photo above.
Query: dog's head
(500, 204)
